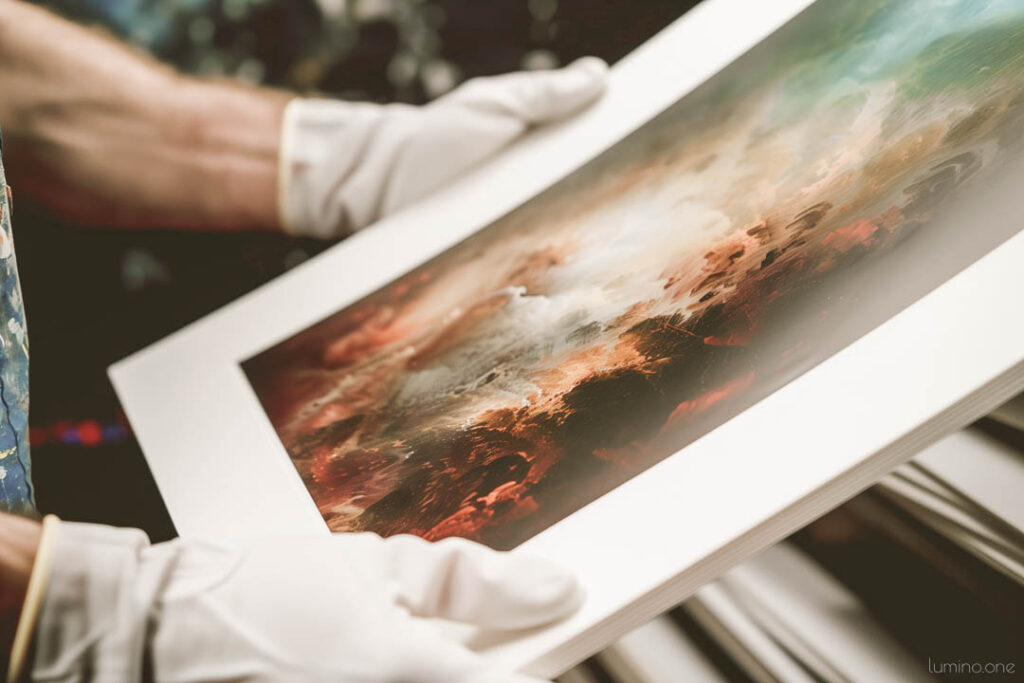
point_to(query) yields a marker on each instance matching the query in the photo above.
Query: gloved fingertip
(567, 90)
(595, 67)
(463, 581)
(552, 592)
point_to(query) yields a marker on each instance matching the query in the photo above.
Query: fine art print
(790, 204)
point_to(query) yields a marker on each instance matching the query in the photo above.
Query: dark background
(93, 296)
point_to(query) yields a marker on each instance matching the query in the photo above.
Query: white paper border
(651, 541)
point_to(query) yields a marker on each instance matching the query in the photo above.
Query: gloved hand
(348, 607)
(344, 165)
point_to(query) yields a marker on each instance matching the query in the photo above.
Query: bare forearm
(19, 539)
(106, 135)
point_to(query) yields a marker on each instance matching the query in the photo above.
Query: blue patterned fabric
(15, 468)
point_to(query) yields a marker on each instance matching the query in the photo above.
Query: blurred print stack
(919, 578)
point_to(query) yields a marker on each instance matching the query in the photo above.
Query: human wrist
(103, 134)
(233, 133)
(19, 540)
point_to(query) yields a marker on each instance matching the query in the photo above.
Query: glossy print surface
(782, 210)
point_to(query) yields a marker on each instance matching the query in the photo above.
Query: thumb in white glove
(348, 607)
(344, 165)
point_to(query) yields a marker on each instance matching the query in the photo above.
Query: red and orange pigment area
(605, 412)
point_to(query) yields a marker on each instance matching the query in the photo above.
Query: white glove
(343, 165)
(348, 607)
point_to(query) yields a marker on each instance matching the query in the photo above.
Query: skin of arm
(19, 539)
(103, 134)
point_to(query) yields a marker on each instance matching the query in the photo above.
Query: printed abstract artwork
(793, 202)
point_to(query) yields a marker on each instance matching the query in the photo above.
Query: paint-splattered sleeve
(15, 469)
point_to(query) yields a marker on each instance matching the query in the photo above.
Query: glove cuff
(323, 190)
(285, 155)
(92, 622)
